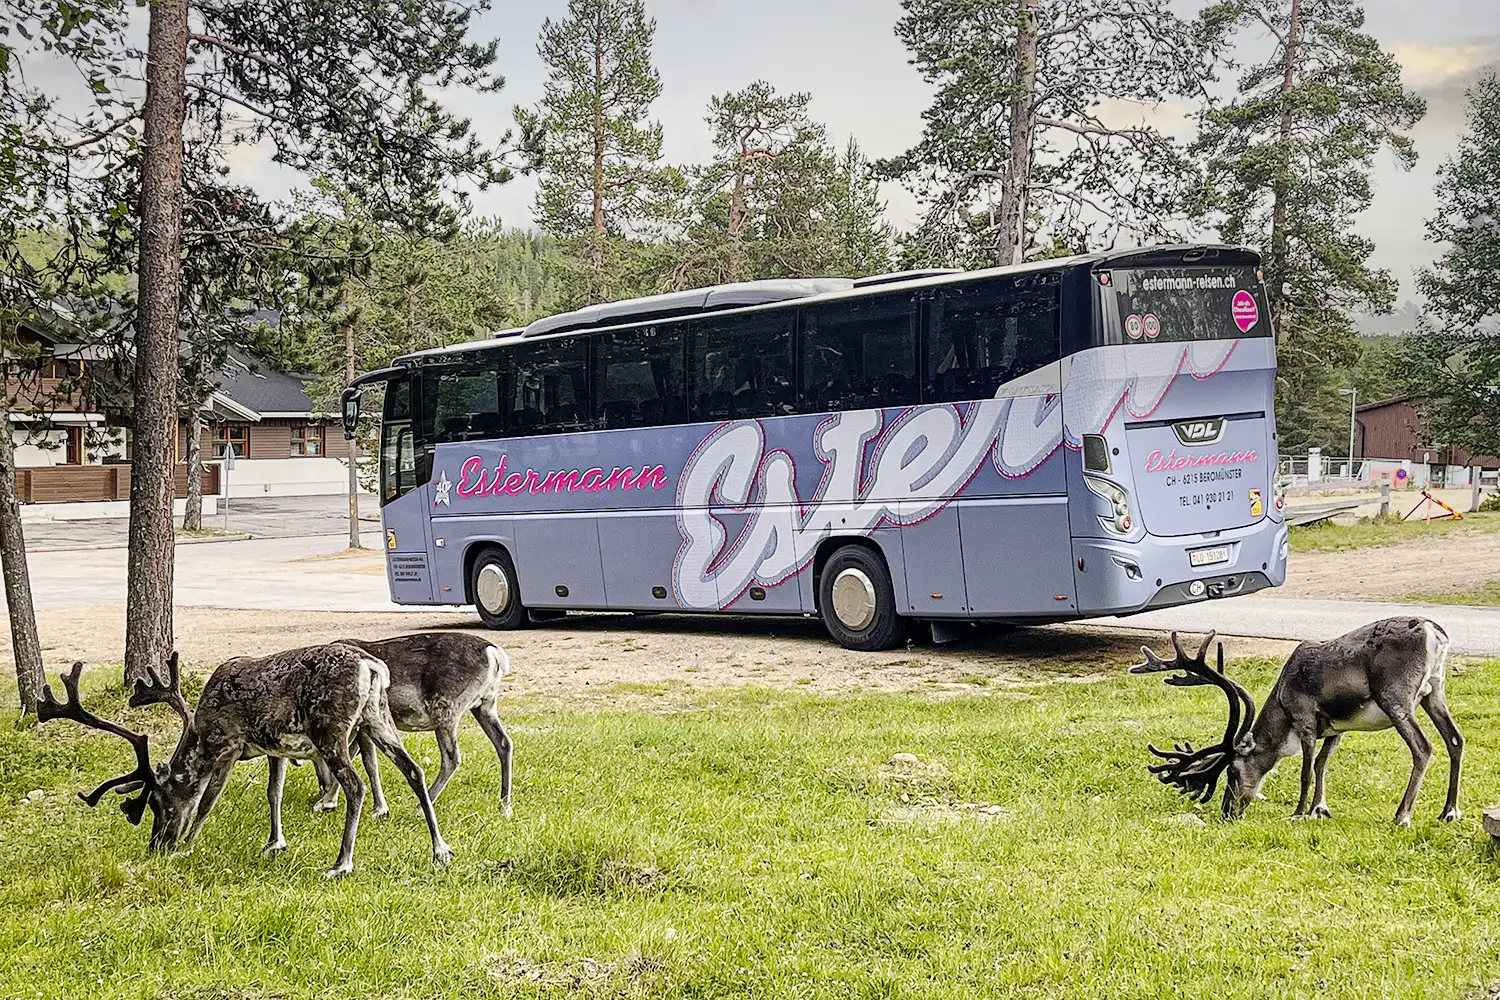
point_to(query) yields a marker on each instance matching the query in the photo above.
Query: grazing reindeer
(1371, 679)
(295, 704)
(435, 679)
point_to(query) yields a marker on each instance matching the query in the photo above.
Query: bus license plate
(1208, 557)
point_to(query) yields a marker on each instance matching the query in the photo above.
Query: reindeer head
(1196, 773)
(167, 790)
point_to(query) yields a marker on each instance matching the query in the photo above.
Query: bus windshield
(1176, 304)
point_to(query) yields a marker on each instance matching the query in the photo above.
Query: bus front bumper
(1121, 578)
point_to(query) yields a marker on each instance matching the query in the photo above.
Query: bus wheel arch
(855, 595)
(492, 586)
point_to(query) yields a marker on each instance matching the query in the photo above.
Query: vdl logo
(1193, 433)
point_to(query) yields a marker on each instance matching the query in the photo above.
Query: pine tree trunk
(353, 444)
(737, 215)
(1276, 265)
(1010, 234)
(23, 636)
(148, 611)
(598, 245)
(192, 515)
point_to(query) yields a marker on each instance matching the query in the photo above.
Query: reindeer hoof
(1451, 815)
(274, 847)
(505, 809)
(1403, 821)
(1321, 812)
(382, 811)
(442, 854)
(325, 805)
(339, 871)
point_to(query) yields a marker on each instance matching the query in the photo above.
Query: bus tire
(497, 591)
(858, 603)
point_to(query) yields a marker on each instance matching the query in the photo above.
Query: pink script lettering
(475, 480)
(1155, 462)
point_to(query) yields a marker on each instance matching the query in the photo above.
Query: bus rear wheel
(857, 602)
(497, 592)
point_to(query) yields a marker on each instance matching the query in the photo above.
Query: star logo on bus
(444, 487)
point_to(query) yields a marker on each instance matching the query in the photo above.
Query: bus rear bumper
(1121, 578)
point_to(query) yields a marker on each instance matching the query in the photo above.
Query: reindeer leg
(372, 768)
(217, 779)
(1436, 706)
(447, 741)
(383, 732)
(1309, 744)
(489, 721)
(1320, 770)
(1421, 757)
(334, 748)
(328, 788)
(275, 780)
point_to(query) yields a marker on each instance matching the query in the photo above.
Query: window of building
(741, 366)
(985, 334)
(859, 353)
(307, 441)
(236, 436)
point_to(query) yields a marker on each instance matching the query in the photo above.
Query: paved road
(1473, 630)
(273, 517)
(308, 574)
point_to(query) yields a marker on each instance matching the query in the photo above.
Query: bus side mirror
(350, 403)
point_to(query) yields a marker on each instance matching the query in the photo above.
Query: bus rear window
(1177, 304)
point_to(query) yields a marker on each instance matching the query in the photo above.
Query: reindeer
(435, 678)
(295, 704)
(1371, 679)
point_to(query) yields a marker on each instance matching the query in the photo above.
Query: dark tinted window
(638, 378)
(1175, 304)
(741, 366)
(982, 335)
(549, 392)
(464, 403)
(858, 354)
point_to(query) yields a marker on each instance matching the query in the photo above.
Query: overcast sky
(845, 54)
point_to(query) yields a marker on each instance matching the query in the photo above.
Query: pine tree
(1016, 130)
(1288, 170)
(590, 136)
(855, 233)
(1458, 363)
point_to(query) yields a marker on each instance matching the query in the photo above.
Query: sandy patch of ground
(1449, 562)
(654, 655)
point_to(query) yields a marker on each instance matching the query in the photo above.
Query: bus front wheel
(497, 592)
(857, 602)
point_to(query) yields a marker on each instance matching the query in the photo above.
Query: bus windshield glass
(1177, 304)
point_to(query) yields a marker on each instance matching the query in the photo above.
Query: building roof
(250, 388)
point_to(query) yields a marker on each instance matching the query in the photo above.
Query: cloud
(1424, 66)
(1170, 118)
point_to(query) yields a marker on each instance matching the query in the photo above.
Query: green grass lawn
(1486, 595)
(1374, 532)
(759, 844)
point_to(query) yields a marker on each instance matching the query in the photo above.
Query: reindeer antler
(159, 693)
(141, 780)
(1195, 773)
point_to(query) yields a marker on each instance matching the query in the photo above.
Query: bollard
(1385, 499)
(1478, 494)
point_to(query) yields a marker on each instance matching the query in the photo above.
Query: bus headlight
(1119, 519)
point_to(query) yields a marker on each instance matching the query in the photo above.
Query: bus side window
(550, 388)
(985, 334)
(859, 353)
(741, 367)
(638, 378)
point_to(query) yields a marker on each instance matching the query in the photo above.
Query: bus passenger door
(404, 501)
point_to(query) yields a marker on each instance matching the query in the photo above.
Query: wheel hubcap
(492, 589)
(853, 599)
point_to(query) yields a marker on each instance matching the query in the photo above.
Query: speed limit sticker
(1133, 326)
(1152, 325)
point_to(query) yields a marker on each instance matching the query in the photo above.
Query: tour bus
(1051, 441)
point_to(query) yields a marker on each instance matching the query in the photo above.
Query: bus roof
(745, 294)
